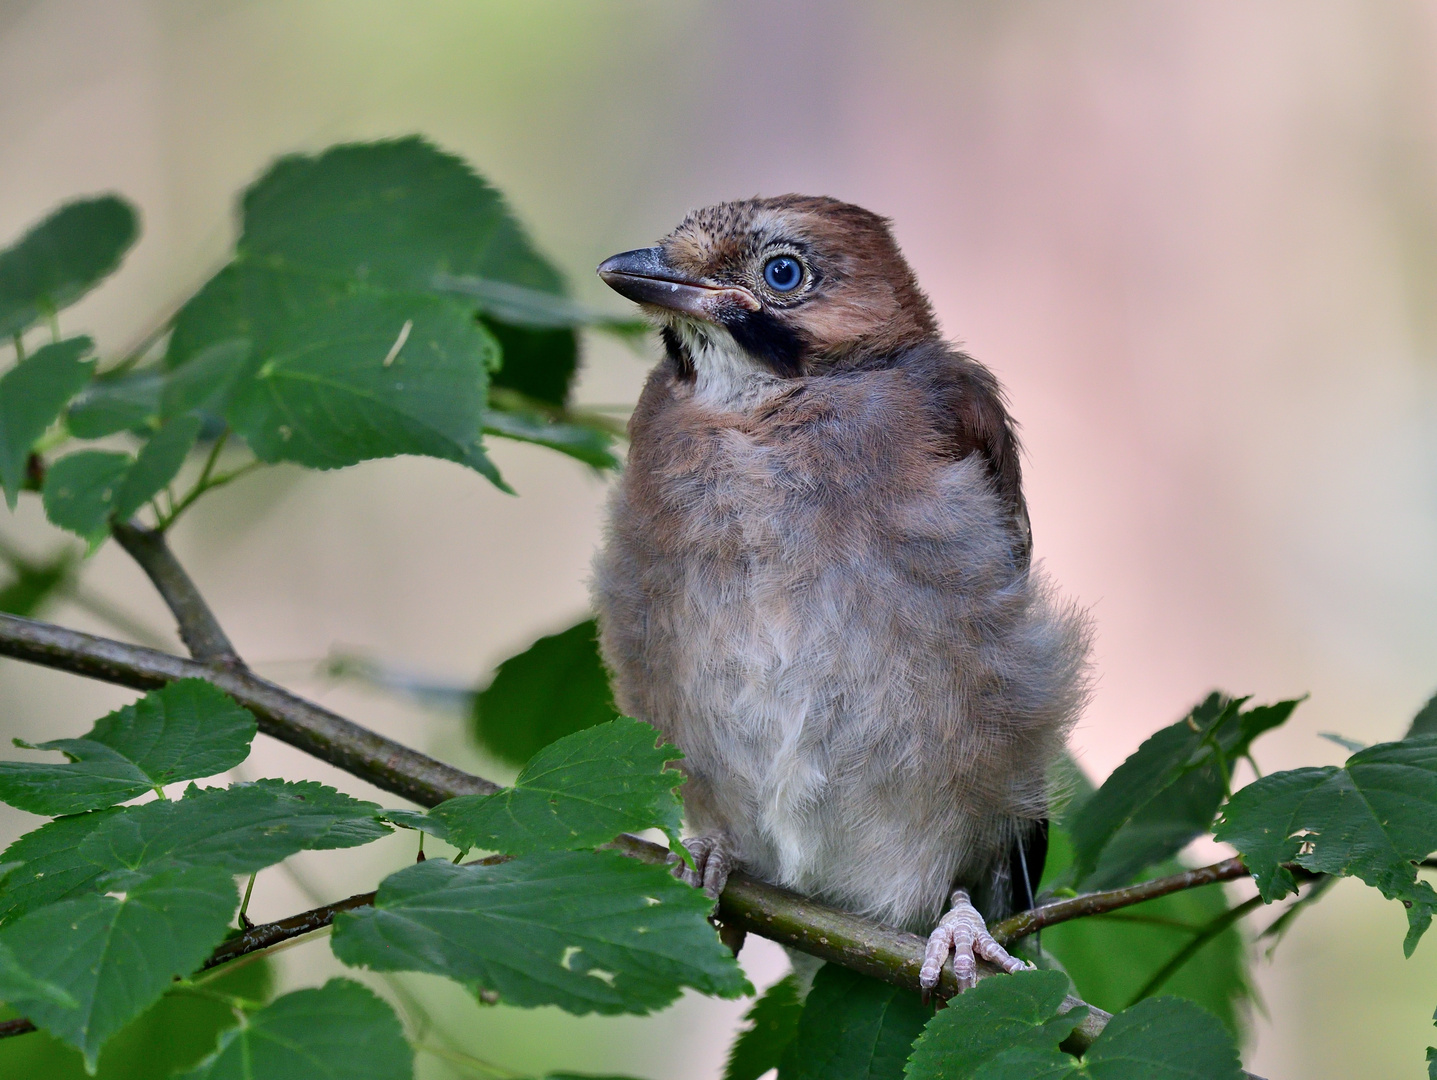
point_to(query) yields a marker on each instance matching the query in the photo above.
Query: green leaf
(158, 463)
(772, 1024)
(587, 931)
(1009, 1028)
(999, 1015)
(419, 821)
(1163, 1039)
(368, 377)
(207, 380)
(188, 729)
(1160, 828)
(340, 1031)
(173, 1034)
(50, 869)
(62, 258)
(1111, 958)
(1168, 792)
(95, 777)
(579, 792)
(394, 214)
(35, 582)
(115, 955)
(341, 257)
(539, 363)
(1425, 722)
(32, 393)
(80, 491)
(17, 984)
(1372, 818)
(555, 687)
(129, 402)
(240, 829)
(853, 1028)
(587, 444)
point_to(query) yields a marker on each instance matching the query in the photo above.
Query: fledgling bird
(817, 579)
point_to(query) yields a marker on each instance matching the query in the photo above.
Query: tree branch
(885, 953)
(283, 715)
(199, 629)
(1097, 903)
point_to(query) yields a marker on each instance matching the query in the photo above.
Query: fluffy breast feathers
(826, 602)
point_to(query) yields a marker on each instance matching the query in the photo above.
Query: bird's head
(785, 286)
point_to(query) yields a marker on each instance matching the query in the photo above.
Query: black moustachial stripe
(766, 339)
(678, 353)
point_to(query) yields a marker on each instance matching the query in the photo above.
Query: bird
(816, 580)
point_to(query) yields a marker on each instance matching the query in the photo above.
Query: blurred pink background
(1197, 242)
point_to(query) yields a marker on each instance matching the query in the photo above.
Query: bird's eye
(783, 273)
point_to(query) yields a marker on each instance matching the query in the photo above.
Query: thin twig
(1030, 922)
(199, 629)
(267, 935)
(1189, 950)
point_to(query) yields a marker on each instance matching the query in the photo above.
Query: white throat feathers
(725, 376)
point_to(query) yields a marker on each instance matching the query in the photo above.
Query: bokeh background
(1197, 242)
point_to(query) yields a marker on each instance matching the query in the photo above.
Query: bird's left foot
(712, 864)
(963, 933)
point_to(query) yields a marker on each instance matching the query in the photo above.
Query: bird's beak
(646, 277)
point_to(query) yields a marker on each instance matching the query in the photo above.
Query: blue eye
(783, 273)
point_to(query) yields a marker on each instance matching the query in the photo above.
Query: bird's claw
(962, 933)
(712, 864)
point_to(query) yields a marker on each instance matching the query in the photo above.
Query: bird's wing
(981, 425)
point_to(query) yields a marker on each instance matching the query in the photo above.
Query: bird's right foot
(963, 934)
(712, 864)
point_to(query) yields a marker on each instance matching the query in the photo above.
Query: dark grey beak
(645, 276)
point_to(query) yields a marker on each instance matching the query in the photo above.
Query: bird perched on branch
(817, 579)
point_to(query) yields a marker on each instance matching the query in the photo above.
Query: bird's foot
(963, 933)
(712, 864)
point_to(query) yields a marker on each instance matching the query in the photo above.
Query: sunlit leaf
(578, 792)
(555, 687)
(853, 1028)
(339, 1031)
(32, 394)
(1373, 818)
(62, 258)
(116, 954)
(587, 931)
